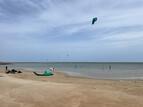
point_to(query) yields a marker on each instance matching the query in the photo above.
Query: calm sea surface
(89, 69)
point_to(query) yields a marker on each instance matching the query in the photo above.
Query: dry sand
(60, 90)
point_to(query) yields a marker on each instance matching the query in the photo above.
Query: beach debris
(19, 72)
(13, 71)
(94, 20)
(47, 72)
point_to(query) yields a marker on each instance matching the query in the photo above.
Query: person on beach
(110, 67)
(52, 69)
(6, 68)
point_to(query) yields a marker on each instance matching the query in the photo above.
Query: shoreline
(73, 75)
(82, 70)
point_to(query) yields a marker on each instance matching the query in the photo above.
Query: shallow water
(89, 69)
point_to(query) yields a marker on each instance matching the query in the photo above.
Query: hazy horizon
(61, 31)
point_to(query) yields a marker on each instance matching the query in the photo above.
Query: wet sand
(61, 90)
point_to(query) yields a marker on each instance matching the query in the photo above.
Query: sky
(61, 30)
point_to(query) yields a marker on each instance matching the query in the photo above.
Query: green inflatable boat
(46, 73)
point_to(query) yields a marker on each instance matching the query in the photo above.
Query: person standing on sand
(6, 68)
(52, 69)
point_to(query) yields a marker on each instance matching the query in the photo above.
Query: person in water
(110, 67)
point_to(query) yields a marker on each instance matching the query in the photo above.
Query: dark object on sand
(19, 72)
(94, 20)
(46, 73)
(13, 71)
(43, 74)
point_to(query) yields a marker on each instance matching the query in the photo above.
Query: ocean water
(88, 69)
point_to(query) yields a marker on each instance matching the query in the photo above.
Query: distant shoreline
(78, 62)
(5, 63)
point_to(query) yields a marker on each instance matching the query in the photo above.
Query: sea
(97, 70)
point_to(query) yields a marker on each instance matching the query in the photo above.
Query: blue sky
(61, 30)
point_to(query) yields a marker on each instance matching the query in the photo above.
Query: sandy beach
(61, 90)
